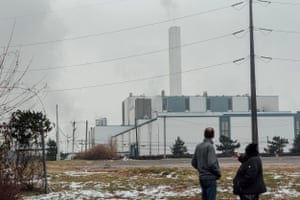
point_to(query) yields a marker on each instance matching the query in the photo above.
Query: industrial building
(151, 124)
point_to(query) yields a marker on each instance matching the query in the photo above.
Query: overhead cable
(279, 58)
(269, 30)
(286, 3)
(120, 30)
(134, 55)
(139, 79)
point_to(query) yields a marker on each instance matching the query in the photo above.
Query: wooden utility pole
(252, 78)
(44, 162)
(165, 137)
(136, 140)
(73, 142)
(86, 134)
(57, 136)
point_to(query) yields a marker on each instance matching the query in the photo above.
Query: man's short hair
(209, 132)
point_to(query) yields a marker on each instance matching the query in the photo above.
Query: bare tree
(13, 93)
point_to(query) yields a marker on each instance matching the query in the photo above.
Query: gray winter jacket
(205, 160)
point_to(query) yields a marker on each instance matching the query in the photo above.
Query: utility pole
(86, 134)
(165, 137)
(252, 78)
(90, 137)
(136, 140)
(44, 162)
(74, 128)
(57, 136)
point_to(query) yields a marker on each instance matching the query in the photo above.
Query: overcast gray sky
(93, 53)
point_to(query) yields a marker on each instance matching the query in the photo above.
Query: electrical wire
(286, 59)
(269, 30)
(51, 12)
(285, 3)
(122, 29)
(139, 79)
(132, 55)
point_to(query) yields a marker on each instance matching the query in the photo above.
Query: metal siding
(103, 133)
(176, 104)
(219, 104)
(267, 104)
(143, 108)
(157, 105)
(240, 104)
(197, 104)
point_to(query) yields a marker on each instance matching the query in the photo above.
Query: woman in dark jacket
(249, 182)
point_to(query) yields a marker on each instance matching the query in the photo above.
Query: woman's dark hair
(209, 132)
(251, 150)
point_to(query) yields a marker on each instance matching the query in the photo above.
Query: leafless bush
(8, 188)
(99, 152)
(28, 169)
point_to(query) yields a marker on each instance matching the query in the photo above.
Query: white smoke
(170, 7)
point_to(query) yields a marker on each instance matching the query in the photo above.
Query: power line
(285, 3)
(62, 9)
(277, 30)
(140, 79)
(280, 59)
(135, 55)
(124, 29)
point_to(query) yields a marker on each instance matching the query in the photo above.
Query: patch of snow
(97, 190)
(83, 173)
(79, 194)
(289, 192)
(293, 174)
(172, 175)
(75, 185)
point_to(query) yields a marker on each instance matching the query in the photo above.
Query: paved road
(293, 160)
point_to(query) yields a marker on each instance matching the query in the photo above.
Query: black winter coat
(249, 178)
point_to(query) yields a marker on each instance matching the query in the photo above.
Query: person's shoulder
(198, 145)
(255, 159)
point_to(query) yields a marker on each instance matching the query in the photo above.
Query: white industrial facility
(151, 124)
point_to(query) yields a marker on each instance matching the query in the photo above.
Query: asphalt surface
(186, 162)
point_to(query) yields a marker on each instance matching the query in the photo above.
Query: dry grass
(177, 179)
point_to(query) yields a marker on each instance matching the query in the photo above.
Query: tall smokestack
(175, 61)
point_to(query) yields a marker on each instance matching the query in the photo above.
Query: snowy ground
(177, 184)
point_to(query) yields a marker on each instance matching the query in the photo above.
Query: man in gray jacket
(206, 162)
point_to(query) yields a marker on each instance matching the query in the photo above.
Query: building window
(225, 126)
(230, 104)
(187, 103)
(165, 103)
(208, 104)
